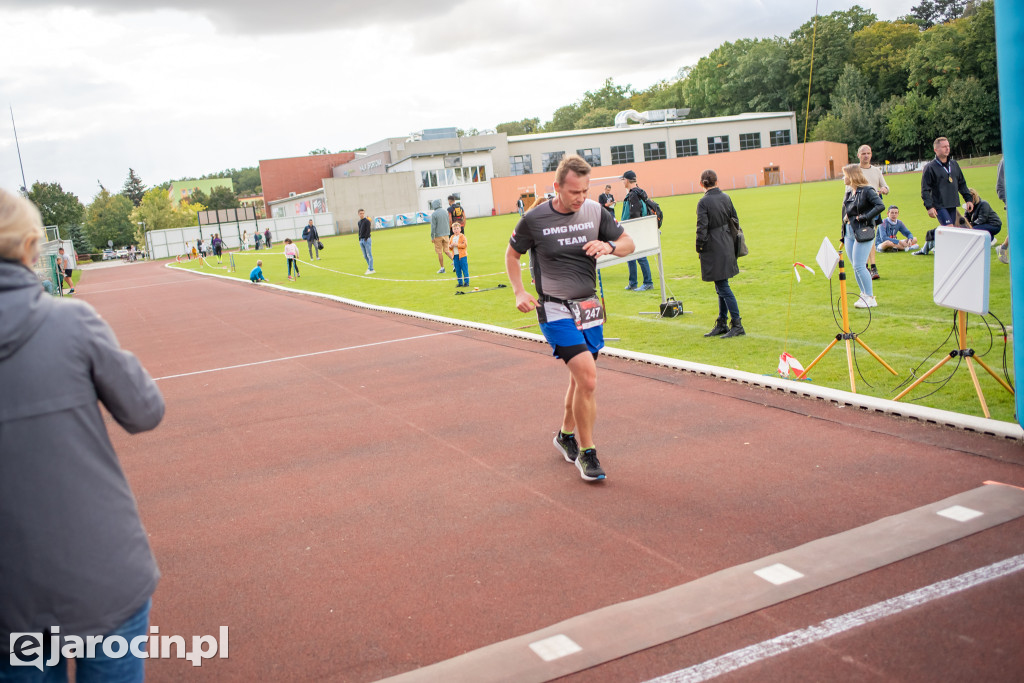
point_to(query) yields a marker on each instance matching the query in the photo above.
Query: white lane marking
(124, 289)
(305, 355)
(779, 574)
(959, 513)
(830, 627)
(555, 647)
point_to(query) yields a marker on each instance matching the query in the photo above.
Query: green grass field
(782, 225)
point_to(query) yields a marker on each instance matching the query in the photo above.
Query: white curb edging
(1007, 430)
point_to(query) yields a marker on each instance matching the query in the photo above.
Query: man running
(564, 236)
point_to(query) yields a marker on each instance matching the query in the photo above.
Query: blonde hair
(975, 197)
(19, 220)
(856, 175)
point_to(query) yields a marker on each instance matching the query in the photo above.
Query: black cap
(629, 175)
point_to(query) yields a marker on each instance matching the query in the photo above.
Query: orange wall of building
(298, 174)
(667, 177)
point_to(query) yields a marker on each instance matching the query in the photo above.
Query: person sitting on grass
(256, 274)
(889, 231)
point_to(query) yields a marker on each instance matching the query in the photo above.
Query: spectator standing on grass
(73, 551)
(218, 246)
(874, 176)
(564, 237)
(64, 263)
(257, 238)
(266, 237)
(982, 216)
(607, 200)
(520, 207)
(291, 255)
(860, 208)
(312, 238)
(365, 244)
(716, 248)
(245, 240)
(256, 274)
(1003, 250)
(888, 237)
(634, 205)
(455, 213)
(941, 182)
(457, 245)
(439, 229)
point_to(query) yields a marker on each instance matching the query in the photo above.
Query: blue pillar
(1010, 59)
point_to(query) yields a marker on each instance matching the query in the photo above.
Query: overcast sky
(183, 88)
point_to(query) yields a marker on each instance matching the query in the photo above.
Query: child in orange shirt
(457, 245)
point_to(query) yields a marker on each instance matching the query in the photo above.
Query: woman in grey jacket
(73, 552)
(716, 247)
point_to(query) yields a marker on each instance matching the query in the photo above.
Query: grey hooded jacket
(73, 552)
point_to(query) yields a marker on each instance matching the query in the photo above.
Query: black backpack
(648, 205)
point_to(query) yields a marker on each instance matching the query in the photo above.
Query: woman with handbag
(860, 206)
(716, 247)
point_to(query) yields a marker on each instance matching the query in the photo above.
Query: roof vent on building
(652, 116)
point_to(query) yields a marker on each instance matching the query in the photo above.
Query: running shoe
(567, 445)
(644, 288)
(589, 467)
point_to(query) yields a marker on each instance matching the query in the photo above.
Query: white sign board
(646, 237)
(963, 260)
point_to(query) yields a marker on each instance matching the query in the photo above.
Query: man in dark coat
(312, 237)
(941, 180)
(716, 247)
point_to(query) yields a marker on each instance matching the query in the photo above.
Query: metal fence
(168, 243)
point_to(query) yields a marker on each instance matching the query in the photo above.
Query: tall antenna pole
(24, 185)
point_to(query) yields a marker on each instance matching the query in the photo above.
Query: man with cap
(635, 206)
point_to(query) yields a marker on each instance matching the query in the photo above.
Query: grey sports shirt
(561, 269)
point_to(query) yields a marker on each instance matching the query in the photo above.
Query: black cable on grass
(1006, 371)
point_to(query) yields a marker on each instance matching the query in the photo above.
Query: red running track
(357, 514)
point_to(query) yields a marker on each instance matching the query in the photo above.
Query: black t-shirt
(456, 214)
(561, 269)
(604, 199)
(364, 228)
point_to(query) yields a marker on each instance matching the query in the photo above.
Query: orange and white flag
(796, 272)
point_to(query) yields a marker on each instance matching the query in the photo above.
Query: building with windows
(488, 173)
(618, 145)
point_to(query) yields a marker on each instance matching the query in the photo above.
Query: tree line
(895, 85)
(124, 217)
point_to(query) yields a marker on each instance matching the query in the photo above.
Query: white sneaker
(440, 270)
(369, 272)
(866, 302)
(995, 241)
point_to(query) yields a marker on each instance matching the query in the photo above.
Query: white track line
(305, 355)
(830, 627)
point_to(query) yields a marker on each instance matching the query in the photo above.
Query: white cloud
(196, 86)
